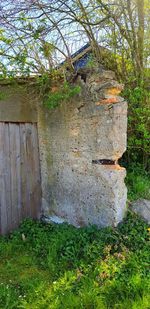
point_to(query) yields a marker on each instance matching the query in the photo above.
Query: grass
(138, 183)
(61, 267)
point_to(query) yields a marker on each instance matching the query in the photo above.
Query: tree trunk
(140, 38)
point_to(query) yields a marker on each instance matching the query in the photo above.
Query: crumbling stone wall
(80, 144)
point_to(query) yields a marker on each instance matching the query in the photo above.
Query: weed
(64, 267)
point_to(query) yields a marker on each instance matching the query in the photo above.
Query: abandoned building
(62, 163)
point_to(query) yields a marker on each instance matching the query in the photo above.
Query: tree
(45, 32)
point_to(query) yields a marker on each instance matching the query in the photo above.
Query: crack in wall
(105, 162)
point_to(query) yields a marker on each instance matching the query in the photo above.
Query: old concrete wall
(18, 103)
(73, 138)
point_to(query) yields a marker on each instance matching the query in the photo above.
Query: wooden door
(20, 186)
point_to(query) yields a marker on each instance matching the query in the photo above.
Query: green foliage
(54, 90)
(47, 48)
(107, 59)
(138, 126)
(138, 183)
(59, 266)
(92, 62)
(64, 93)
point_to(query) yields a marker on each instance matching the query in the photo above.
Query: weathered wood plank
(30, 171)
(15, 174)
(38, 192)
(20, 187)
(18, 172)
(3, 205)
(24, 172)
(7, 178)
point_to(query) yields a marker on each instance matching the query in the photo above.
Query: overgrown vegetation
(64, 93)
(138, 183)
(51, 266)
(54, 89)
(138, 152)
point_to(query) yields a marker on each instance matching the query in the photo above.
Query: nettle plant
(55, 89)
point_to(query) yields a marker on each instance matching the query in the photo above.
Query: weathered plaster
(18, 104)
(90, 127)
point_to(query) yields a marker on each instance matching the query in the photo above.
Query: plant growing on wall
(64, 93)
(54, 89)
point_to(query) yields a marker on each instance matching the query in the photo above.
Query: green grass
(138, 183)
(61, 267)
